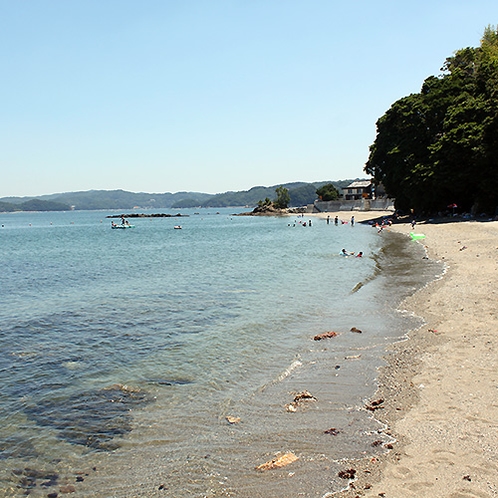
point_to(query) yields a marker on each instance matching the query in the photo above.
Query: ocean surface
(123, 352)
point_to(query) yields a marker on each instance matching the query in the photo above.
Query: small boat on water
(121, 227)
(177, 227)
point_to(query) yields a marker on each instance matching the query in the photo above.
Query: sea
(156, 361)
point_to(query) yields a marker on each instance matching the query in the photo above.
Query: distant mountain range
(301, 194)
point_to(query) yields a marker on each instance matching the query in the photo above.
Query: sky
(210, 95)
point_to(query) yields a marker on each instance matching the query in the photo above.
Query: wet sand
(440, 387)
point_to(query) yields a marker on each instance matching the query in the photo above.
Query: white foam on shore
(293, 366)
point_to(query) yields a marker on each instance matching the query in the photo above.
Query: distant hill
(301, 194)
(113, 199)
(121, 199)
(33, 205)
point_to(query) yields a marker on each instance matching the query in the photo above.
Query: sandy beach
(440, 387)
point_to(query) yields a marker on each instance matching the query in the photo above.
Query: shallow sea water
(122, 352)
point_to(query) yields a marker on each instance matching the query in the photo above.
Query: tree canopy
(439, 147)
(283, 197)
(327, 192)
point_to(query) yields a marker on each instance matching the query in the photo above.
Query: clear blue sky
(209, 95)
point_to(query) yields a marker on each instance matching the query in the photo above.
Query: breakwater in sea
(147, 215)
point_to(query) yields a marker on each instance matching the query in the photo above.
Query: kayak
(417, 236)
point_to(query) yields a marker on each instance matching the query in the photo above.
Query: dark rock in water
(147, 215)
(332, 431)
(271, 210)
(28, 478)
(299, 400)
(169, 382)
(325, 335)
(92, 418)
(304, 395)
(17, 447)
(50, 480)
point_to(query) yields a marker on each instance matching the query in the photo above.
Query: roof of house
(360, 184)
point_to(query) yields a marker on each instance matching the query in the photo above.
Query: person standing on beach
(352, 221)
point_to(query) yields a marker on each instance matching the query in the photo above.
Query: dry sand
(441, 385)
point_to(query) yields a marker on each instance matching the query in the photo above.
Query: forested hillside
(439, 147)
(104, 199)
(301, 193)
(33, 205)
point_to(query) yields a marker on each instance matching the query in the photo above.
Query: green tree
(283, 198)
(440, 146)
(398, 158)
(267, 202)
(327, 192)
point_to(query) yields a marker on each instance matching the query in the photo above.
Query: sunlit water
(122, 352)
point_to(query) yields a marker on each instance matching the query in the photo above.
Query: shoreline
(440, 385)
(359, 216)
(155, 460)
